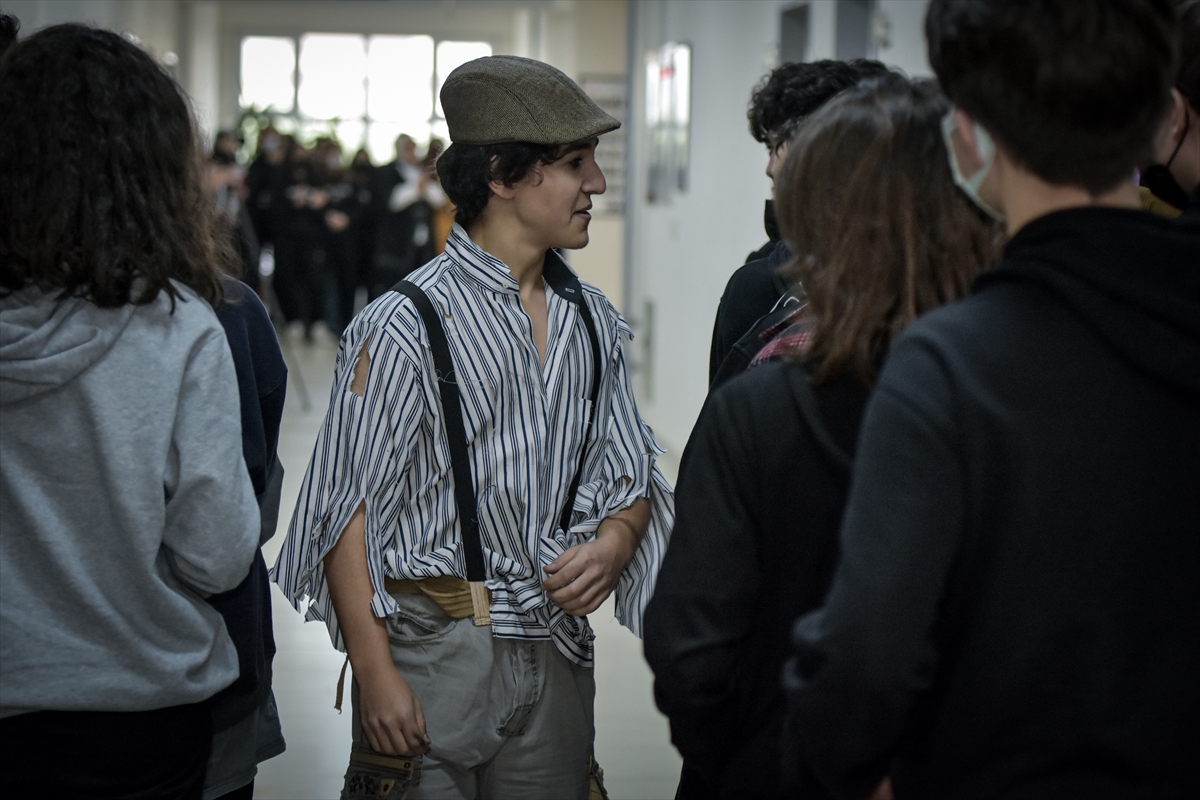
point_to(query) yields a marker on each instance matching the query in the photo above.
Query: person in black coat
(778, 107)
(245, 720)
(1015, 611)
(765, 473)
(404, 194)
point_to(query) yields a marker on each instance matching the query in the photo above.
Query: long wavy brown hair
(879, 232)
(101, 158)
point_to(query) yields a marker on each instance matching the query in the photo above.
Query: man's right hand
(389, 712)
(391, 715)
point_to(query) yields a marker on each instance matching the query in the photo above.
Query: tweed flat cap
(513, 99)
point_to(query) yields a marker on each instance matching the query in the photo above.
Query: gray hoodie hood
(46, 342)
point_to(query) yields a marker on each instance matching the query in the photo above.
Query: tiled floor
(631, 736)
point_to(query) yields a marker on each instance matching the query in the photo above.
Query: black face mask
(1158, 178)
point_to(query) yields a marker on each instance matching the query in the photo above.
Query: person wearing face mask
(261, 179)
(1013, 614)
(1174, 178)
(405, 194)
(763, 478)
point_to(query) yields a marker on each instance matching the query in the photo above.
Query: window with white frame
(364, 90)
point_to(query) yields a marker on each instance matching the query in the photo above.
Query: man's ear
(499, 188)
(1172, 127)
(1178, 114)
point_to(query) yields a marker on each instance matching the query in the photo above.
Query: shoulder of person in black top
(1103, 305)
(751, 293)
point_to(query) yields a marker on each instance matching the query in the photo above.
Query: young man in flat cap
(454, 542)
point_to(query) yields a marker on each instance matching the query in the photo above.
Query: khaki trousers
(508, 718)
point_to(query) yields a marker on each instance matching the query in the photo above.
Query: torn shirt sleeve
(360, 455)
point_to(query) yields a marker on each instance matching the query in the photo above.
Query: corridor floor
(632, 740)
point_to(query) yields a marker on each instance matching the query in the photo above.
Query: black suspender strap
(564, 520)
(460, 460)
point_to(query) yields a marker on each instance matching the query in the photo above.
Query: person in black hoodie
(763, 479)
(1014, 612)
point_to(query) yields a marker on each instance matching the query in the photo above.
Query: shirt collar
(494, 274)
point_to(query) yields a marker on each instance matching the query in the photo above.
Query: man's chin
(576, 242)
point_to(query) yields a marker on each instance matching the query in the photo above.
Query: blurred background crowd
(319, 233)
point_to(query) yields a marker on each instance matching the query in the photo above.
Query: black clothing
(760, 495)
(299, 230)
(400, 245)
(744, 350)
(262, 179)
(771, 224)
(751, 293)
(1191, 211)
(1016, 609)
(262, 383)
(106, 754)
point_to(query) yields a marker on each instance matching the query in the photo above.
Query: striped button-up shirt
(525, 420)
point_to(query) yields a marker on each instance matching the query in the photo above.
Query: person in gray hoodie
(124, 497)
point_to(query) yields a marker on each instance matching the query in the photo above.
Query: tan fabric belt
(453, 595)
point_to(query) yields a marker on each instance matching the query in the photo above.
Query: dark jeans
(134, 755)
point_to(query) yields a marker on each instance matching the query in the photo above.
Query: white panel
(333, 71)
(202, 67)
(400, 78)
(268, 72)
(905, 24)
(822, 26)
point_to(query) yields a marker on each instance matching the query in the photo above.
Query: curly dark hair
(883, 242)
(102, 160)
(793, 91)
(465, 170)
(1073, 91)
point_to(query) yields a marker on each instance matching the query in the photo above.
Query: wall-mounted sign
(668, 119)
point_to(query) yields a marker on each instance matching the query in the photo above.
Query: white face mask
(987, 154)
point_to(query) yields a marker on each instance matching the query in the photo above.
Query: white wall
(906, 47)
(201, 61)
(681, 254)
(683, 251)
(154, 22)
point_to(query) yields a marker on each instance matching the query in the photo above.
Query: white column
(203, 68)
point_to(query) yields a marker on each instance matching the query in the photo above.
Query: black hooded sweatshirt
(1016, 612)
